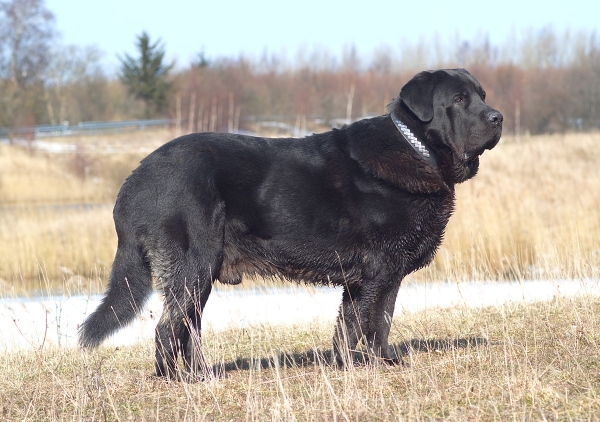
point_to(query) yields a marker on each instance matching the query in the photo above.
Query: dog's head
(449, 107)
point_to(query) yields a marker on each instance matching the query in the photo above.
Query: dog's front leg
(380, 322)
(348, 327)
(366, 313)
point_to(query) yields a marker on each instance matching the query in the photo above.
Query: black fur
(356, 207)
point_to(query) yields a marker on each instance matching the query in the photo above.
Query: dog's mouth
(476, 153)
(470, 156)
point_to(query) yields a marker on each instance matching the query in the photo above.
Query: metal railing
(90, 128)
(83, 128)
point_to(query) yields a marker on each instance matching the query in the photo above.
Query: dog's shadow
(314, 357)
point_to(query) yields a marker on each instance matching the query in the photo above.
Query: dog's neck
(423, 150)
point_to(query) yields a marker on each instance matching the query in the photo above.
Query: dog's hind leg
(170, 334)
(194, 264)
(193, 358)
(178, 330)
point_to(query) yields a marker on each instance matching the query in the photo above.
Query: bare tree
(69, 67)
(350, 74)
(26, 31)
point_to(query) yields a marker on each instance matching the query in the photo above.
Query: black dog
(359, 207)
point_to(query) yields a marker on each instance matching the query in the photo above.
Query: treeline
(542, 80)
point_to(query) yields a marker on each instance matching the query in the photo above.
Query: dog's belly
(321, 263)
(310, 267)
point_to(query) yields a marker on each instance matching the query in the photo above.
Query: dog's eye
(458, 99)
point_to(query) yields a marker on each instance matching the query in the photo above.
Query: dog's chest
(411, 242)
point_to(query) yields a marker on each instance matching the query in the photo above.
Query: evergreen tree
(146, 76)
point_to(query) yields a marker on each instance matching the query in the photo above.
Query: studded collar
(426, 153)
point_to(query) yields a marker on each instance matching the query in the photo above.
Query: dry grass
(56, 209)
(516, 362)
(533, 211)
(93, 173)
(38, 179)
(46, 248)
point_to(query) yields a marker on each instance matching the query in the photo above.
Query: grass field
(516, 362)
(532, 211)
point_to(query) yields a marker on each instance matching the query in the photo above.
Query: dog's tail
(129, 286)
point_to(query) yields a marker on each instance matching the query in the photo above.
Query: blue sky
(228, 28)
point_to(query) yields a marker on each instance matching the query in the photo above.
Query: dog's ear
(417, 95)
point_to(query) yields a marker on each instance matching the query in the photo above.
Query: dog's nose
(496, 117)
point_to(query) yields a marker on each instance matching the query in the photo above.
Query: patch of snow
(53, 147)
(33, 322)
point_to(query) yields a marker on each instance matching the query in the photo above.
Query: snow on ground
(32, 322)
